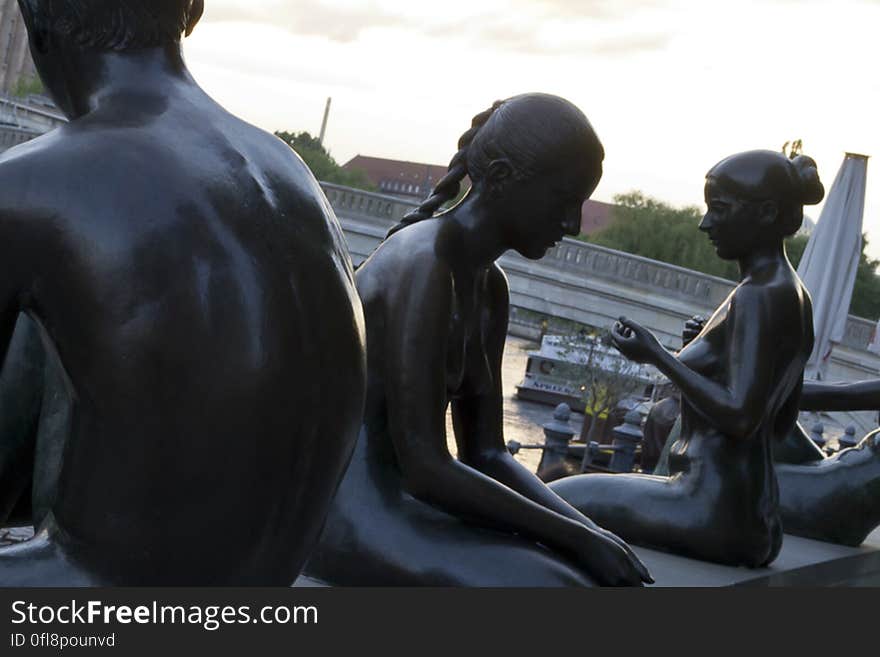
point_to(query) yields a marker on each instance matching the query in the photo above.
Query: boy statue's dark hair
(115, 25)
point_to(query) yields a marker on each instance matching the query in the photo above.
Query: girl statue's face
(542, 208)
(734, 226)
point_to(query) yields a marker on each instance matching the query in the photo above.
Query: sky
(671, 86)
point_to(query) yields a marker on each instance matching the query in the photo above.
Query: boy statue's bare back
(191, 286)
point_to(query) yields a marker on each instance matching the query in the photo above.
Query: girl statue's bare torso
(721, 501)
(740, 381)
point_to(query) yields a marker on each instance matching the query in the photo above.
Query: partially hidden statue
(740, 381)
(187, 331)
(834, 498)
(436, 307)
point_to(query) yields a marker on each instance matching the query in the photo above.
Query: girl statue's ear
(499, 172)
(768, 212)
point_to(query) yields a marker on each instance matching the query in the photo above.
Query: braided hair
(450, 185)
(533, 132)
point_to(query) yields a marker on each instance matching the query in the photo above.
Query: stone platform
(802, 562)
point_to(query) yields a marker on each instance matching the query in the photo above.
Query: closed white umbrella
(831, 259)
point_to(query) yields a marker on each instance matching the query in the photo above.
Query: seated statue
(658, 426)
(34, 420)
(188, 288)
(829, 498)
(436, 307)
(834, 498)
(740, 381)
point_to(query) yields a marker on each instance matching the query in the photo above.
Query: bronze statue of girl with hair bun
(436, 306)
(740, 381)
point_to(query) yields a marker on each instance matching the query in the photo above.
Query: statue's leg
(40, 562)
(425, 547)
(378, 535)
(662, 467)
(674, 514)
(836, 499)
(53, 429)
(643, 509)
(21, 393)
(22, 514)
(796, 447)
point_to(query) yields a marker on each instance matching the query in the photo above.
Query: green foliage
(26, 86)
(322, 163)
(652, 229)
(795, 246)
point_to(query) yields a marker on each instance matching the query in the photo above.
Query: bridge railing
(13, 136)
(387, 210)
(26, 115)
(591, 260)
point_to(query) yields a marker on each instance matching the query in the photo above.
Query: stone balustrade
(20, 122)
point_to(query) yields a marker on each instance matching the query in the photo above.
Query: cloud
(632, 44)
(525, 26)
(337, 21)
(607, 9)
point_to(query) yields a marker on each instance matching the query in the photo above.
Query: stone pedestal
(802, 562)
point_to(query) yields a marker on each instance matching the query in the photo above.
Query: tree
(795, 247)
(866, 293)
(27, 85)
(321, 163)
(603, 376)
(653, 229)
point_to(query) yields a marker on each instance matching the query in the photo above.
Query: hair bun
(812, 189)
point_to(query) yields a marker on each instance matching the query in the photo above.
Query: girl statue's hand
(692, 328)
(611, 562)
(635, 342)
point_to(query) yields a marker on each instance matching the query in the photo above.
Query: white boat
(551, 375)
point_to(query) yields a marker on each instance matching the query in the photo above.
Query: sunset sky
(671, 86)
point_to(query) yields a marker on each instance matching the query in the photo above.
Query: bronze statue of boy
(191, 287)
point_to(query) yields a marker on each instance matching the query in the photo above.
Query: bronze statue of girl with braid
(436, 307)
(740, 381)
